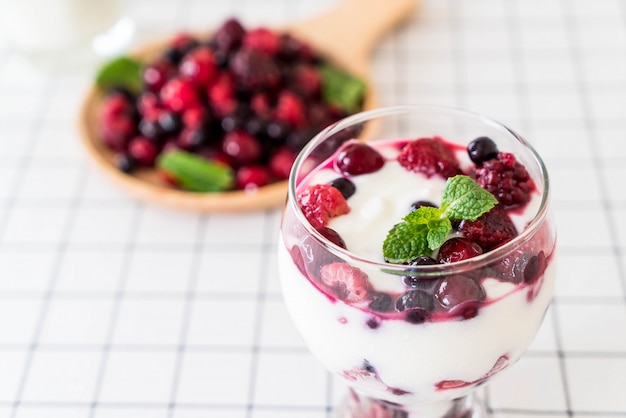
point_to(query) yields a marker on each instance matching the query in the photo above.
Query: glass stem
(357, 406)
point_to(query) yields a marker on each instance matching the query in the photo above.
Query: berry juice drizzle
(455, 297)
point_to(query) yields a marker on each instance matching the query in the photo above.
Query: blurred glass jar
(45, 27)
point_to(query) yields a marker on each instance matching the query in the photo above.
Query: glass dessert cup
(424, 360)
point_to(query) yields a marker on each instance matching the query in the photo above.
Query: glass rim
(402, 269)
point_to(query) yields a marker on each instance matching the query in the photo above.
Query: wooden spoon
(345, 35)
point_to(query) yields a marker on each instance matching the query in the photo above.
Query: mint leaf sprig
(425, 229)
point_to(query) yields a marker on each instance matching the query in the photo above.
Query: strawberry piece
(490, 230)
(347, 283)
(429, 156)
(320, 202)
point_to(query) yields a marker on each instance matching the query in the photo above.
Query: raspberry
(320, 202)
(262, 40)
(198, 66)
(290, 109)
(429, 156)
(178, 94)
(357, 158)
(254, 70)
(347, 283)
(506, 179)
(490, 230)
(458, 249)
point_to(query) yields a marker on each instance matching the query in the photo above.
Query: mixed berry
(424, 298)
(248, 100)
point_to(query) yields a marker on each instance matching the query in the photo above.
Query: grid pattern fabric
(110, 307)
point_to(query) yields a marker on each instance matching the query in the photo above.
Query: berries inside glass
(415, 339)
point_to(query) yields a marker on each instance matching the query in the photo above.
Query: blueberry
(416, 281)
(125, 163)
(151, 129)
(367, 366)
(422, 203)
(255, 125)
(482, 149)
(170, 122)
(344, 185)
(535, 267)
(381, 303)
(418, 305)
(423, 261)
(231, 122)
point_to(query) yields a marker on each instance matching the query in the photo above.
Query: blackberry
(490, 230)
(506, 179)
(229, 36)
(254, 70)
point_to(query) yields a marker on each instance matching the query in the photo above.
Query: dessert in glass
(417, 257)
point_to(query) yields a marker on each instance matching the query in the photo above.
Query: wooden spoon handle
(349, 31)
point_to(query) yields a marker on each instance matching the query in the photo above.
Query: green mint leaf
(195, 173)
(342, 89)
(122, 72)
(437, 233)
(422, 231)
(404, 241)
(425, 229)
(463, 198)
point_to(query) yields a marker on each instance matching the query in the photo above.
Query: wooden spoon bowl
(345, 35)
